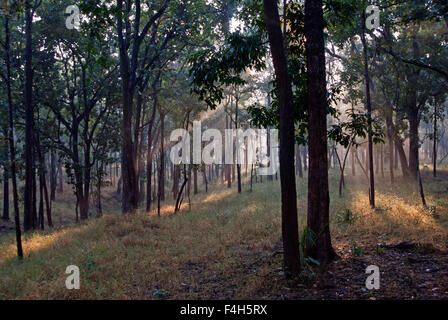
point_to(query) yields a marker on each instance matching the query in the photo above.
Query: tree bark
(12, 150)
(318, 194)
(291, 256)
(434, 146)
(369, 114)
(52, 175)
(6, 188)
(29, 119)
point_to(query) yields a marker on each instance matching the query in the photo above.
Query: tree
(12, 149)
(291, 257)
(318, 194)
(29, 222)
(369, 111)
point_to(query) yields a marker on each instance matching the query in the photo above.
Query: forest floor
(229, 247)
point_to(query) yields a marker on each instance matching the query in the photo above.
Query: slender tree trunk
(290, 236)
(29, 115)
(43, 182)
(420, 188)
(391, 145)
(195, 181)
(238, 166)
(162, 158)
(52, 175)
(204, 173)
(382, 160)
(369, 113)
(6, 188)
(41, 204)
(413, 142)
(34, 198)
(434, 145)
(12, 150)
(318, 194)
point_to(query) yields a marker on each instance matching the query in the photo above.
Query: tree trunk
(291, 256)
(41, 204)
(434, 145)
(43, 182)
(382, 160)
(413, 142)
(318, 194)
(162, 158)
(195, 181)
(29, 119)
(369, 114)
(420, 188)
(12, 150)
(52, 175)
(391, 144)
(204, 173)
(6, 188)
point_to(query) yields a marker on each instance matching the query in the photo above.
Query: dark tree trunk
(148, 182)
(291, 256)
(195, 181)
(41, 204)
(369, 114)
(238, 166)
(162, 158)
(270, 177)
(150, 149)
(12, 150)
(382, 160)
(318, 195)
(34, 198)
(204, 174)
(99, 172)
(6, 189)
(52, 175)
(43, 182)
(29, 115)
(434, 143)
(413, 142)
(128, 67)
(391, 144)
(420, 188)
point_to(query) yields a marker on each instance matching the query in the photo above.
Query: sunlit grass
(209, 251)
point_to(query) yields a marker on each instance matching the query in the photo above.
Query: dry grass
(223, 248)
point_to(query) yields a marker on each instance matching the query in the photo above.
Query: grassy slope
(224, 248)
